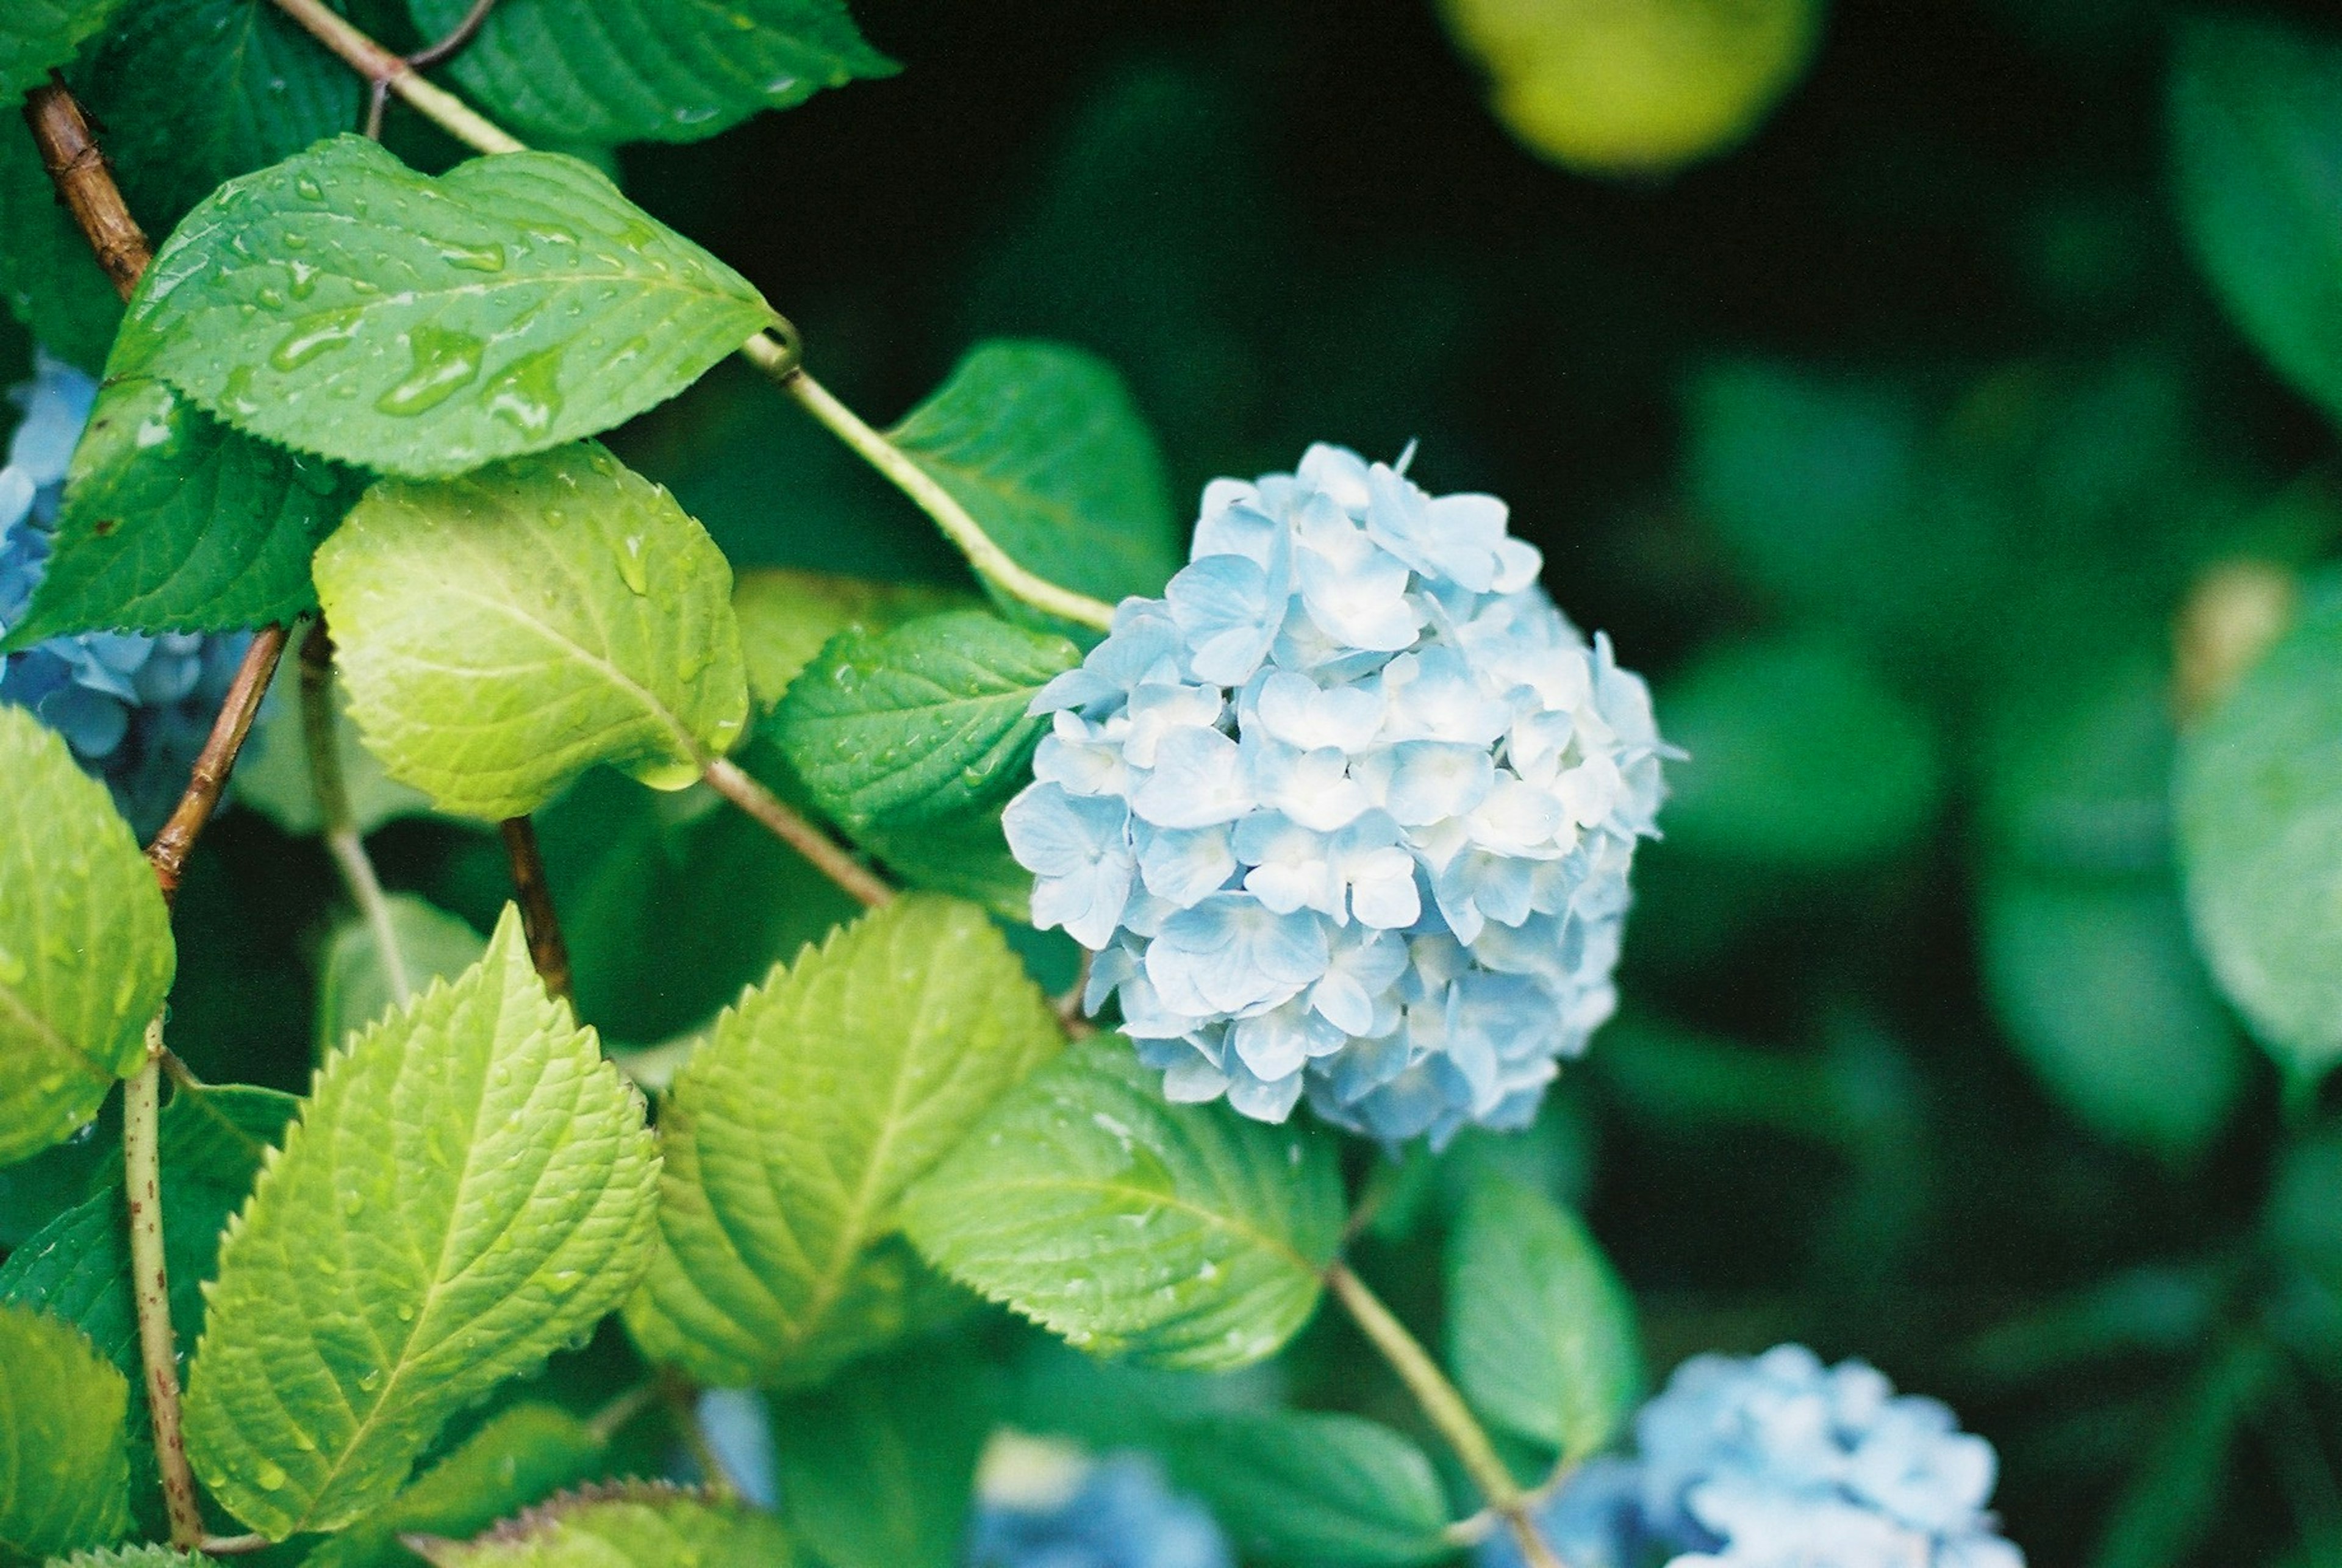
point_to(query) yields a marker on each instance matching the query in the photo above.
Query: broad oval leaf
(48, 279)
(504, 631)
(36, 35)
(928, 720)
(603, 72)
(342, 303)
(1296, 1487)
(2259, 798)
(1042, 445)
(174, 522)
(791, 1135)
(85, 950)
(1540, 1332)
(634, 1525)
(373, 964)
(469, 1188)
(132, 1557)
(2256, 112)
(520, 1456)
(786, 617)
(64, 1474)
(1182, 1235)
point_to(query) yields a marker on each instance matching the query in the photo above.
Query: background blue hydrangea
(1776, 1461)
(135, 709)
(1121, 1515)
(1349, 811)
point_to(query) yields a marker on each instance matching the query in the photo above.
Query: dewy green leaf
(792, 1134)
(1540, 1332)
(785, 616)
(48, 278)
(176, 523)
(36, 35)
(1293, 1487)
(191, 93)
(64, 1474)
(273, 775)
(632, 1526)
(366, 971)
(925, 721)
(504, 631)
(132, 1557)
(2256, 112)
(342, 303)
(1042, 445)
(603, 72)
(875, 1469)
(2259, 798)
(1183, 1236)
(521, 1456)
(85, 950)
(469, 1188)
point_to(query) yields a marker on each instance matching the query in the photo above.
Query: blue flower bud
(1347, 813)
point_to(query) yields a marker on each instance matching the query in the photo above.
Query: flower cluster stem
(731, 782)
(1444, 1407)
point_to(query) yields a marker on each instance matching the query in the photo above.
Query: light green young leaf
(1042, 445)
(2256, 112)
(785, 616)
(924, 721)
(272, 772)
(504, 631)
(2258, 799)
(1183, 1236)
(1540, 1332)
(605, 71)
(64, 1474)
(877, 1469)
(85, 950)
(36, 35)
(635, 1525)
(1293, 1487)
(176, 523)
(131, 1557)
(366, 971)
(520, 1456)
(48, 278)
(791, 1135)
(342, 303)
(469, 1188)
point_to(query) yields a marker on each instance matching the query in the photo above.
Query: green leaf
(48, 278)
(85, 950)
(928, 720)
(634, 1525)
(1042, 445)
(273, 776)
(965, 854)
(37, 34)
(468, 1190)
(2171, 1503)
(1540, 1332)
(342, 303)
(174, 522)
(877, 1469)
(191, 93)
(1183, 1236)
(132, 1557)
(1293, 1487)
(2258, 799)
(504, 631)
(791, 1135)
(519, 1457)
(1801, 758)
(64, 1474)
(367, 969)
(785, 616)
(2256, 115)
(610, 71)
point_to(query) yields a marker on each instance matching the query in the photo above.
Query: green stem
(343, 841)
(158, 1350)
(774, 356)
(729, 780)
(1444, 1406)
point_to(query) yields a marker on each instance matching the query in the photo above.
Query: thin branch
(168, 853)
(734, 785)
(234, 1545)
(615, 1416)
(342, 840)
(376, 64)
(452, 44)
(142, 1101)
(1445, 1408)
(542, 928)
(85, 182)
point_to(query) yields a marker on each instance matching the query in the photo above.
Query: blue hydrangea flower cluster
(1121, 1515)
(1348, 812)
(1779, 1462)
(135, 710)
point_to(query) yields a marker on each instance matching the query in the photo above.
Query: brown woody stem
(547, 950)
(85, 185)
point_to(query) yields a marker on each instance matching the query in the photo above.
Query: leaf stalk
(727, 779)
